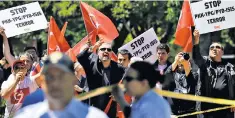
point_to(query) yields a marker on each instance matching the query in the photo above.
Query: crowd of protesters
(46, 87)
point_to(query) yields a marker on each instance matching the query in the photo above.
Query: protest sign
(144, 46)
(213, 15)
(22, 19)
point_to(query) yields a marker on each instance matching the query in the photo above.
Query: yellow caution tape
(195, 98)
(107, 89)
(206, 111)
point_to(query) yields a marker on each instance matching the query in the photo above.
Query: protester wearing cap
(139, 80)
(16, 87)
(101, 71)
(59, 82)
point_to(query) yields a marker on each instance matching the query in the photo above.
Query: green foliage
(130, 17)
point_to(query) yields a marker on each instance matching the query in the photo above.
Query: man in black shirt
(217, 77)
(101, 71)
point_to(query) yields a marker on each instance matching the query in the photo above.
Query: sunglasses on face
(108, 49)
(217, 47)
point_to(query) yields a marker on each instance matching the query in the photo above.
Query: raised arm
(197, 57)
(6, 49)
(8, 87)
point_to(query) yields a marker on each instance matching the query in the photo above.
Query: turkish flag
(52, 44)
(183, 35)
(95, 20)
(56, 40)
(62, 41)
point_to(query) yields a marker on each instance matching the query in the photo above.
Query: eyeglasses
(217, 47)
(108, 49)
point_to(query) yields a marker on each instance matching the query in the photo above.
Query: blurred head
(124, 57)
(216, 51)
(162, 53)
(140, 77)
(59, 78)
(135, 59)
(19, 66)
(32, 51)
(28, 60)
(104, 52)
(78, 70)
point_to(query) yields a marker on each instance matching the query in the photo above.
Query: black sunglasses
(217, 47)
(108, 49)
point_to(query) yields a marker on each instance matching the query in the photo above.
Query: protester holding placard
(217, 77)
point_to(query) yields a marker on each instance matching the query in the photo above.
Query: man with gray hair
(59, 82)
(101, 71)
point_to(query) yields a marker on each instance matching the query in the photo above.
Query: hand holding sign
(196, 36)
(2, 32)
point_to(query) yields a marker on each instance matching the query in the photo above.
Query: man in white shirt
(59, 92)
(16, 87)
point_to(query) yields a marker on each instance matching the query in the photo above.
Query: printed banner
(23, 19)
(144, 46)
(213, 15)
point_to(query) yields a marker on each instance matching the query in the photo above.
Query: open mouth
(105, 55)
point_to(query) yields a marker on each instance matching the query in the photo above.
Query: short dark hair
(125, 52)
(163, 46)
(146, 71)
(29, 48)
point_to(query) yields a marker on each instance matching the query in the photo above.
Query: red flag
(183, 36)
(70, 54)
(56, 40)
(95, 20)
(62, 41)
(52, 44)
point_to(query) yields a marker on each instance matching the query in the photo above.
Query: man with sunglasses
(217, 77)
(139, 80)
(16, 87)
(101, 71)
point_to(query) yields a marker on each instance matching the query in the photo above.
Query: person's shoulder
(34, 110)
(95, 113)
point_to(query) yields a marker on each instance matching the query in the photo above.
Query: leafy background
(130, 17)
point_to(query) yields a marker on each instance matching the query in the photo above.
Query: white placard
(22, 19)
(213, 15)
(144, 46)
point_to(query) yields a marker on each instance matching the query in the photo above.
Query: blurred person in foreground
(58, 72)
(139, 80)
